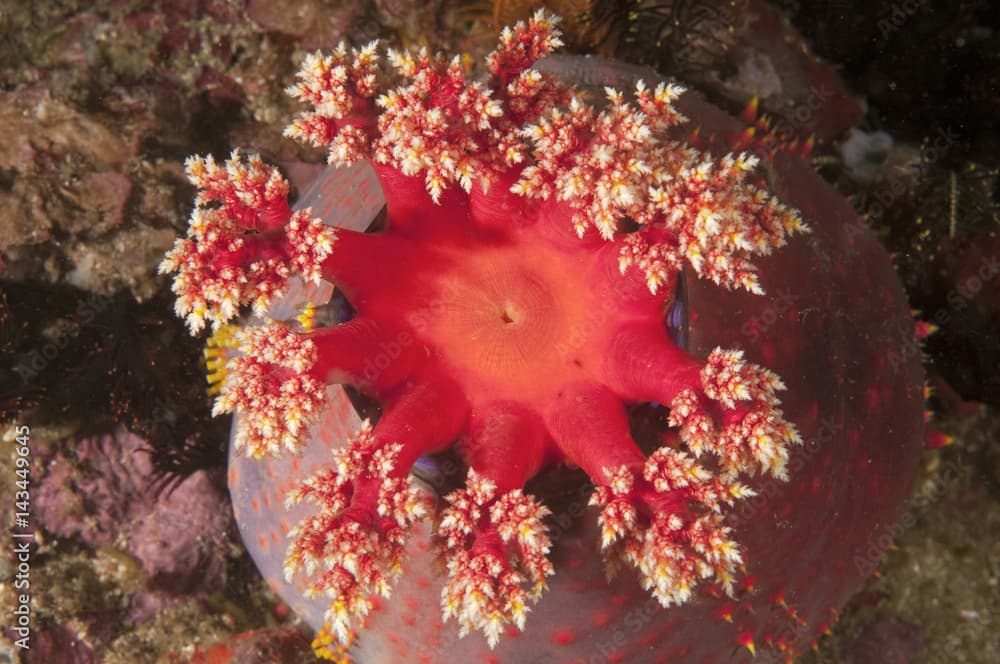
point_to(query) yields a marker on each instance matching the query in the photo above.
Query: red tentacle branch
(668, 523)
(341, 88)
(496, 549)
(243, 242)
(270, 385)
(354, 546)
(753, 436)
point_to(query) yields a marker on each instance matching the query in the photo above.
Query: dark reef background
(137, 558)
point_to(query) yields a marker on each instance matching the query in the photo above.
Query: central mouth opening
(500, 319)
(509, 314)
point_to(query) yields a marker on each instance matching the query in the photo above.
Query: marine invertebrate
(533, 245)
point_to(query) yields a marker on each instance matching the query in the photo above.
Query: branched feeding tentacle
(270, 385)
(754, 434)
(495, 545)
(669, 524)
(665, 515)
(341, 88)
(354, 546)
(243, 243)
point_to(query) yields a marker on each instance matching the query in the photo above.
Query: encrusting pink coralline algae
(668, 371)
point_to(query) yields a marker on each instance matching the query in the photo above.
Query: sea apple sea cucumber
(514, 310)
